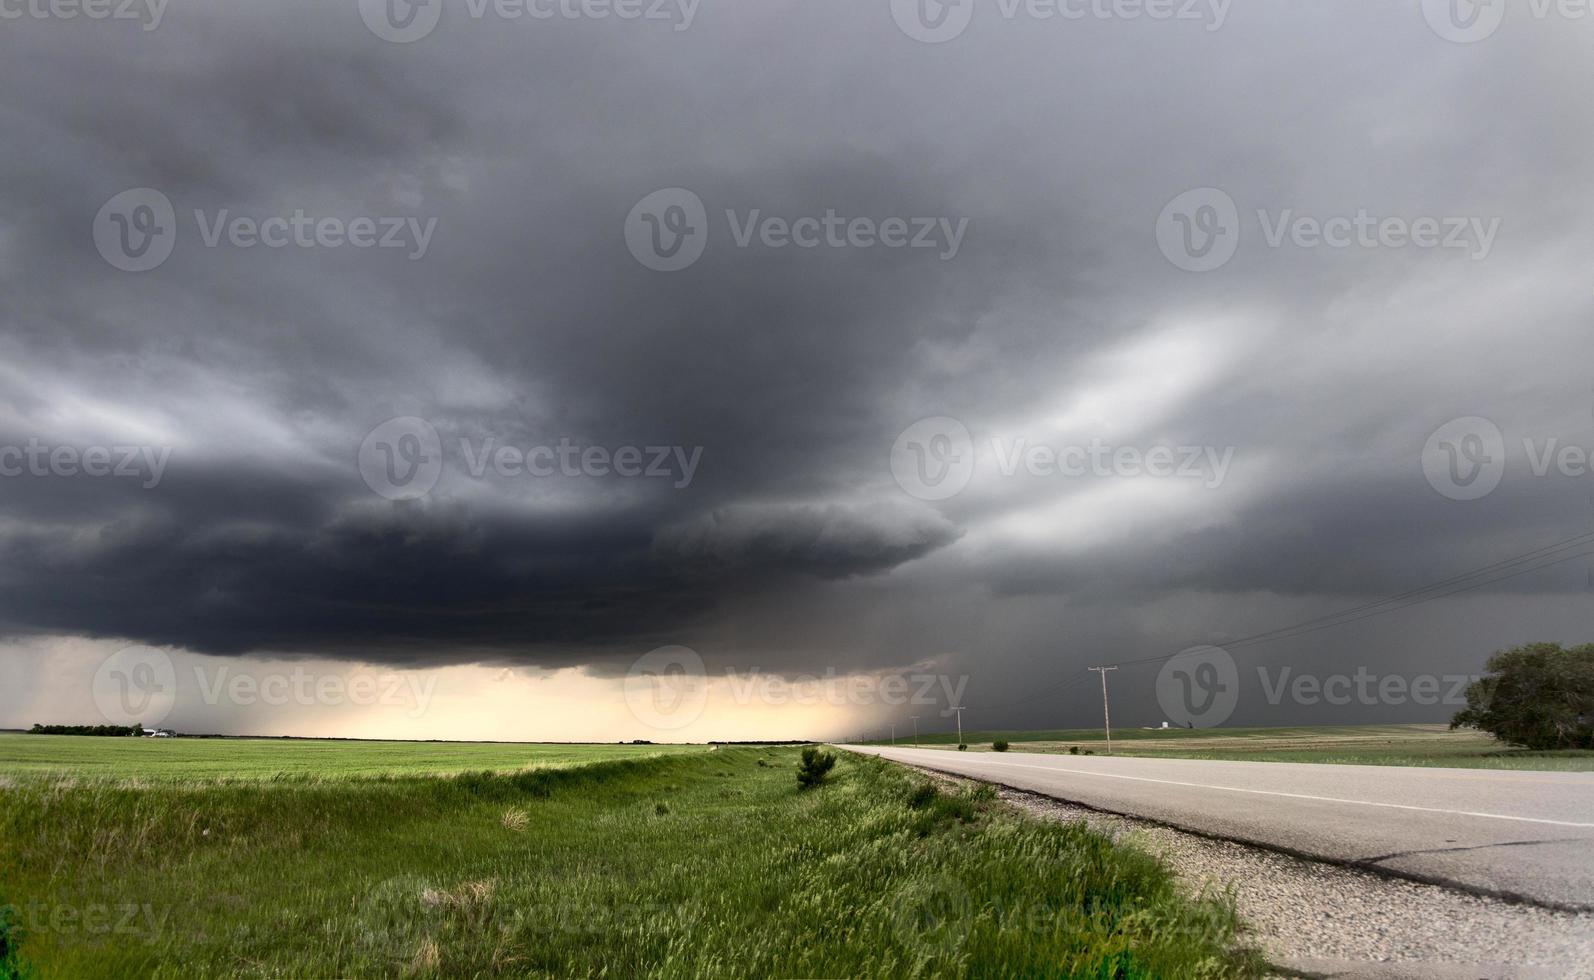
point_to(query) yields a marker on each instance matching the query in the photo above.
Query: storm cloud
(787, 362)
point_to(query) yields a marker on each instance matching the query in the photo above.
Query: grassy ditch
(711, 864)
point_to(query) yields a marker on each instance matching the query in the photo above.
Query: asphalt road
(1520, 835)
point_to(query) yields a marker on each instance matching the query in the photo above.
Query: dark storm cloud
(527, 321)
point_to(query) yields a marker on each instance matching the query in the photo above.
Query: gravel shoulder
(1315, 919)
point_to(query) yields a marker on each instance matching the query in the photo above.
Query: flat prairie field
(156, 759)
(186, 858)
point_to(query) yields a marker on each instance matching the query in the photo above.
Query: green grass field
(1373, 745)
(682, 864)
(153, 759)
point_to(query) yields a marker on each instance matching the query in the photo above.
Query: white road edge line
(1297, 796)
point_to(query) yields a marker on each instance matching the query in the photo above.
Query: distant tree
(816, 765)
(1539, 696)
(115, 731)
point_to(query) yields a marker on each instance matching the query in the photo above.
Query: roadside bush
(1538, 696)
(1073, 750)
(816, 765)
(1000, 745)
(962, 747)
(12, 966)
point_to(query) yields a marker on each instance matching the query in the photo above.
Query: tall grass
(709, 865)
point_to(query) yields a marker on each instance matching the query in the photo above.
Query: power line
(1106, 719)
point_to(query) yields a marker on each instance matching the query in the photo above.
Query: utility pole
(959, 710)
(893, 733)
(915, 730)
(1106, 719)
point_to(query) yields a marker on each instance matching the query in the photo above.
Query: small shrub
(922, 796)
(661, 808)
(816, 765)
(962, 747)
(515, 819)
(942, 809)
(1073, 750)
(1000, 745)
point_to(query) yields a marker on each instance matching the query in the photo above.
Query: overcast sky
(790, 446)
